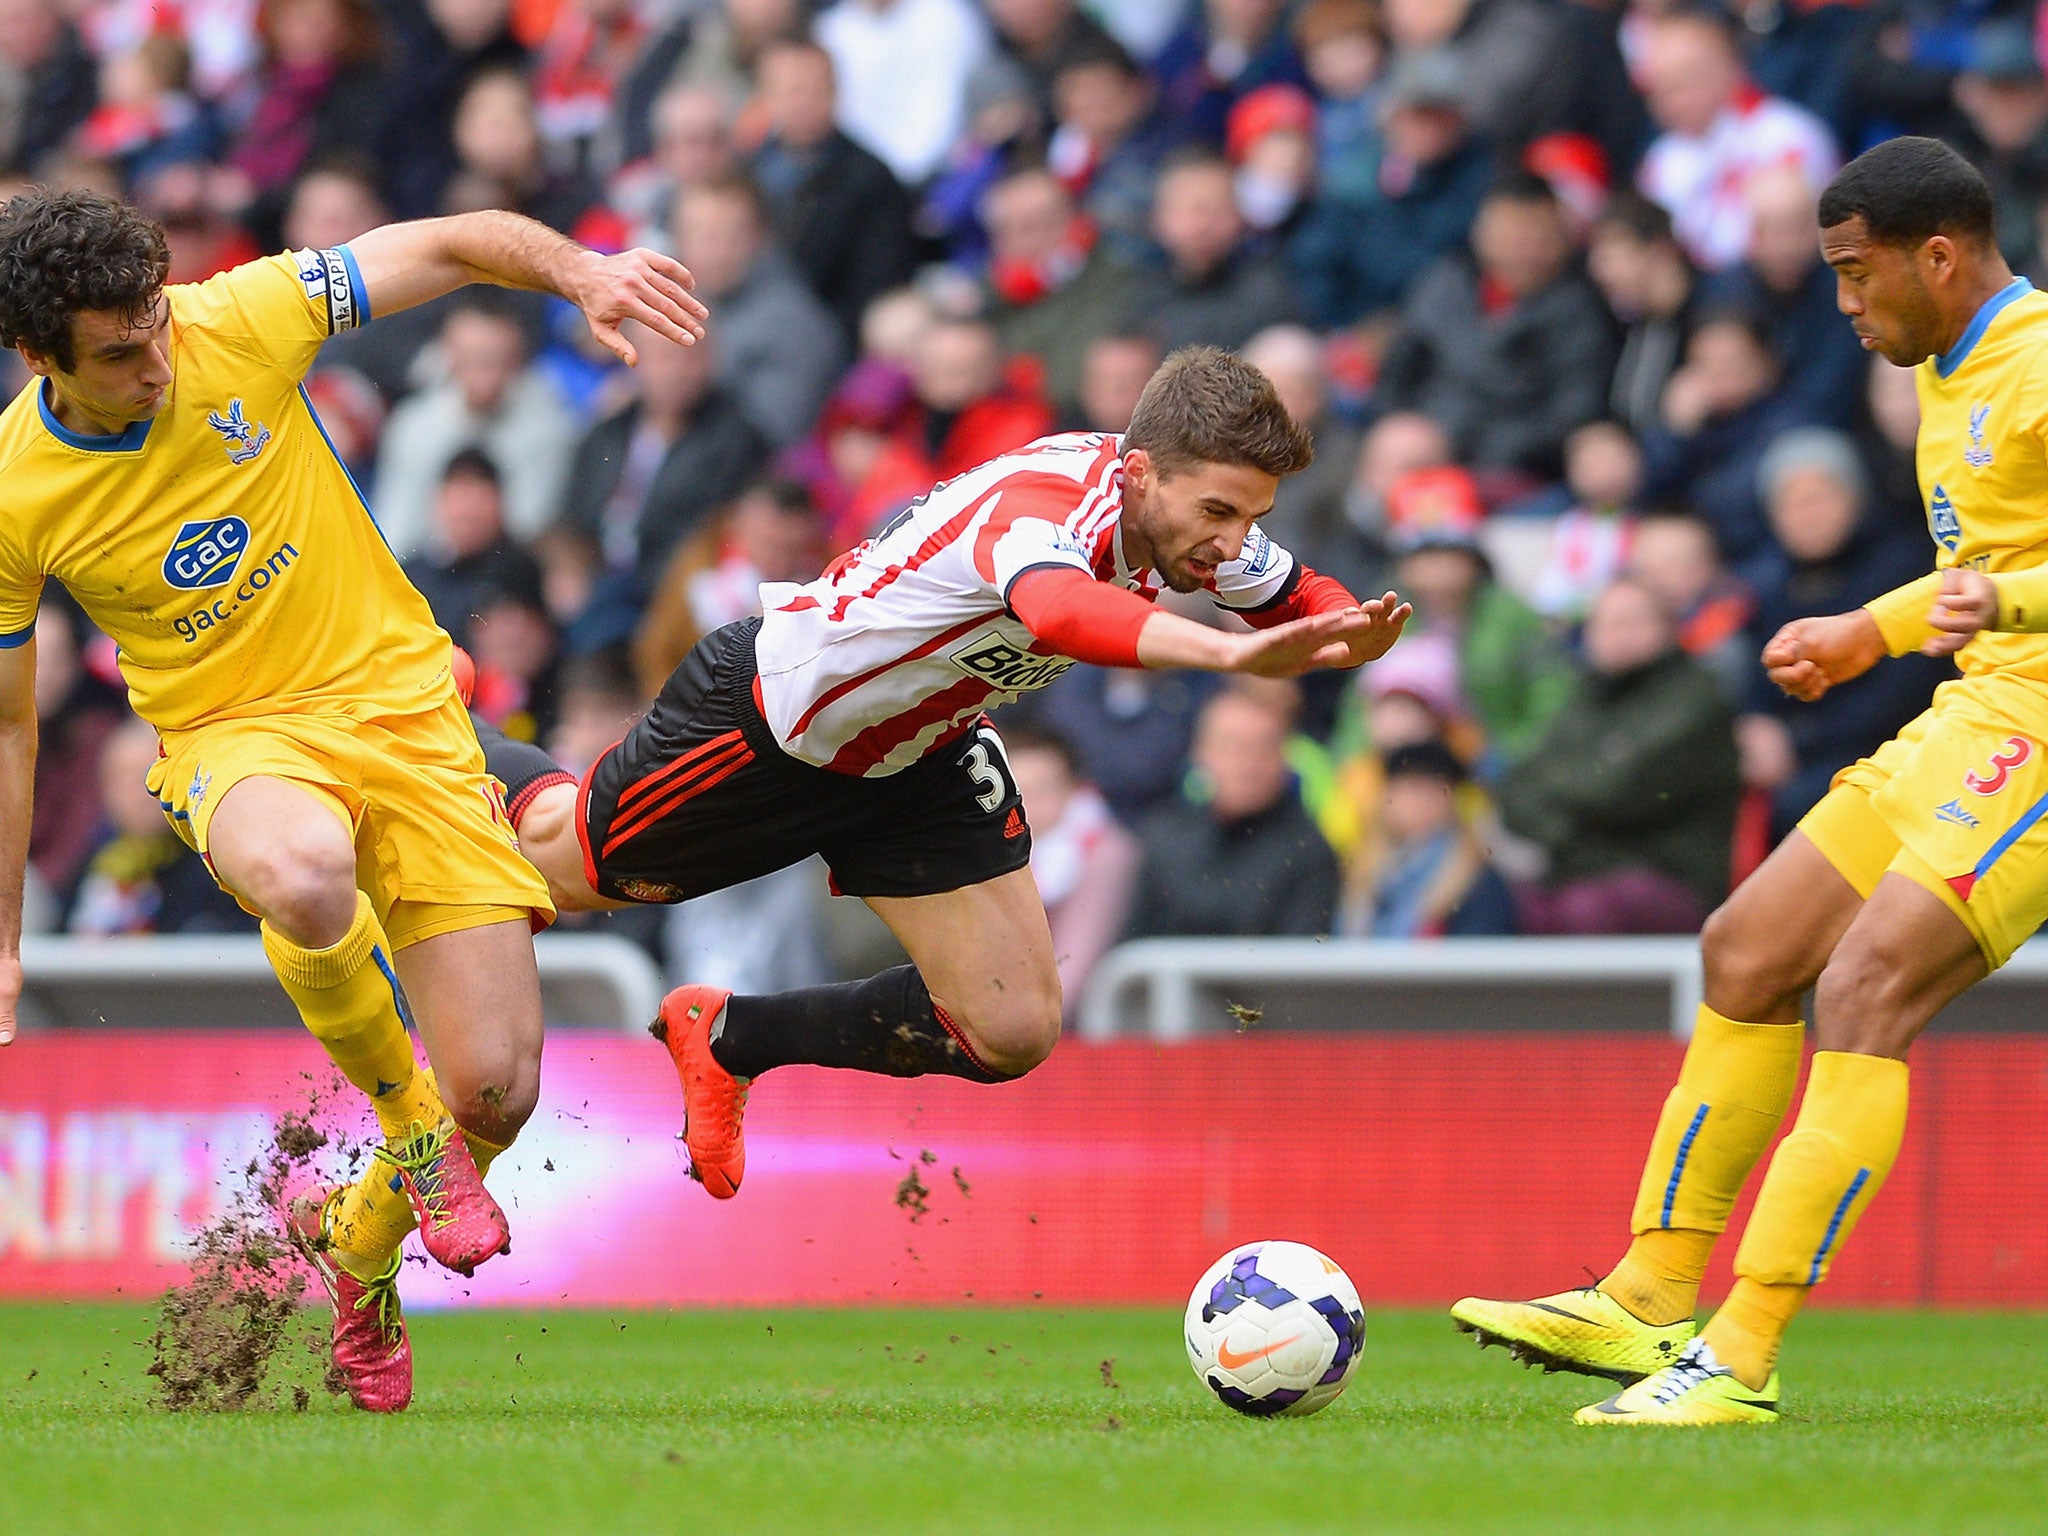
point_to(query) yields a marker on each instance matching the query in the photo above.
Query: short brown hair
(1208, 406)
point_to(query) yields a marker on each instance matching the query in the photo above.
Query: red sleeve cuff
(1079, 616)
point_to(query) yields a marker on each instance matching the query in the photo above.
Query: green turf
(993, 1421)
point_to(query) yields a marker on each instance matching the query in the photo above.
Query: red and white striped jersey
(908, 637)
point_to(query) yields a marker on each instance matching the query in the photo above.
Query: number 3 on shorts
(992, 782)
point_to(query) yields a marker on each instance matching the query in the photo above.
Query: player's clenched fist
(1809, 656)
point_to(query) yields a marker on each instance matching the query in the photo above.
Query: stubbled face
(1193, 520)
(1886, 291)
(120, 373)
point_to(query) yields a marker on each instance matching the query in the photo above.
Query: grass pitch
(998, 1421)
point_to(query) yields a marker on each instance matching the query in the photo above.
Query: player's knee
(493, 1093)
(1861, 1004)
(304, 883)
(1749, 976)
(1016, 1034)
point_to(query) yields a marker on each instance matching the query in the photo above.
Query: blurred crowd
(1541, 275)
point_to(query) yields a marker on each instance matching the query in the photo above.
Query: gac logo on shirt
(206, 554)
(1002, 665)
(1942, 520)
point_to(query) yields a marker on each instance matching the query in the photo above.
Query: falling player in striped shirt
(848, 721)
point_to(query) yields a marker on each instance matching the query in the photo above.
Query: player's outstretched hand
(1347, 637)
(640, 285)
(10, 995)
(1809, 656)
(1966, 605)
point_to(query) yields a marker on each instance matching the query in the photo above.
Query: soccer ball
(1275, 1328)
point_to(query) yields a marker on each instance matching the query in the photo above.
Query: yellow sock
(1732, 1092)
(1746, 1332)
(485, 1152)
(1827, 1171)
(348, 996)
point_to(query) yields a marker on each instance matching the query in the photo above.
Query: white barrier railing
(1172, 989)
(224, 980)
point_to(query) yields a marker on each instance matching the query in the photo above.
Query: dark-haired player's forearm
(17, 799)
(407, 264)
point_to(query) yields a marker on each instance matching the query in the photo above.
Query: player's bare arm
(17, 789)
(407, 264)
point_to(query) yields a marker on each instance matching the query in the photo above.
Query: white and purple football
(1275, 1328)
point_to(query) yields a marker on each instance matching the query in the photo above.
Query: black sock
(524, 769)
(887, 1024)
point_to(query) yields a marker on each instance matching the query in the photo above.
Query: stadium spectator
(47, 84)
(1308, 508)
(970, 404)
(1508, 666)
(725, 44)
(902, 68)
(779, 349)
(141, 878)
(1271, 143)
(1903, 61)
(1632, 790)
(1361, 252)
(1719, 130)
(772, 532)
(645, 476)
(1426, 875)
(1652, 290)
(146, 117)
(1084, 863)
(1042, 36)
(583, 88)
(1517, 75)
(1114, 370)
(1003, 135)
(1839, 557)
(490, 397)
(517, 653)
(1509, 349)
(501, 158)
(1675, 555)
(1239, 855)
(188, 197)
(76, 710)
(1109, 139)
(2001, 94)
(1888, 427)
(1722, 409)
(1343, 46)
(435, 48)
(1131, 729)
(318, 93)
(1052, 288)
(1225, 51)
(1589, 542)
(837, 209)
(472, 556)
(691, 143)
(1784, 282)
(868, 408)
(1213, 288)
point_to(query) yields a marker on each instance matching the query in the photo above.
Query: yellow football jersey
(222, 543)
(1982, 458)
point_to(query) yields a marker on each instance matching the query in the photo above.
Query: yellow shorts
(1957, 802)
(435, 850)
